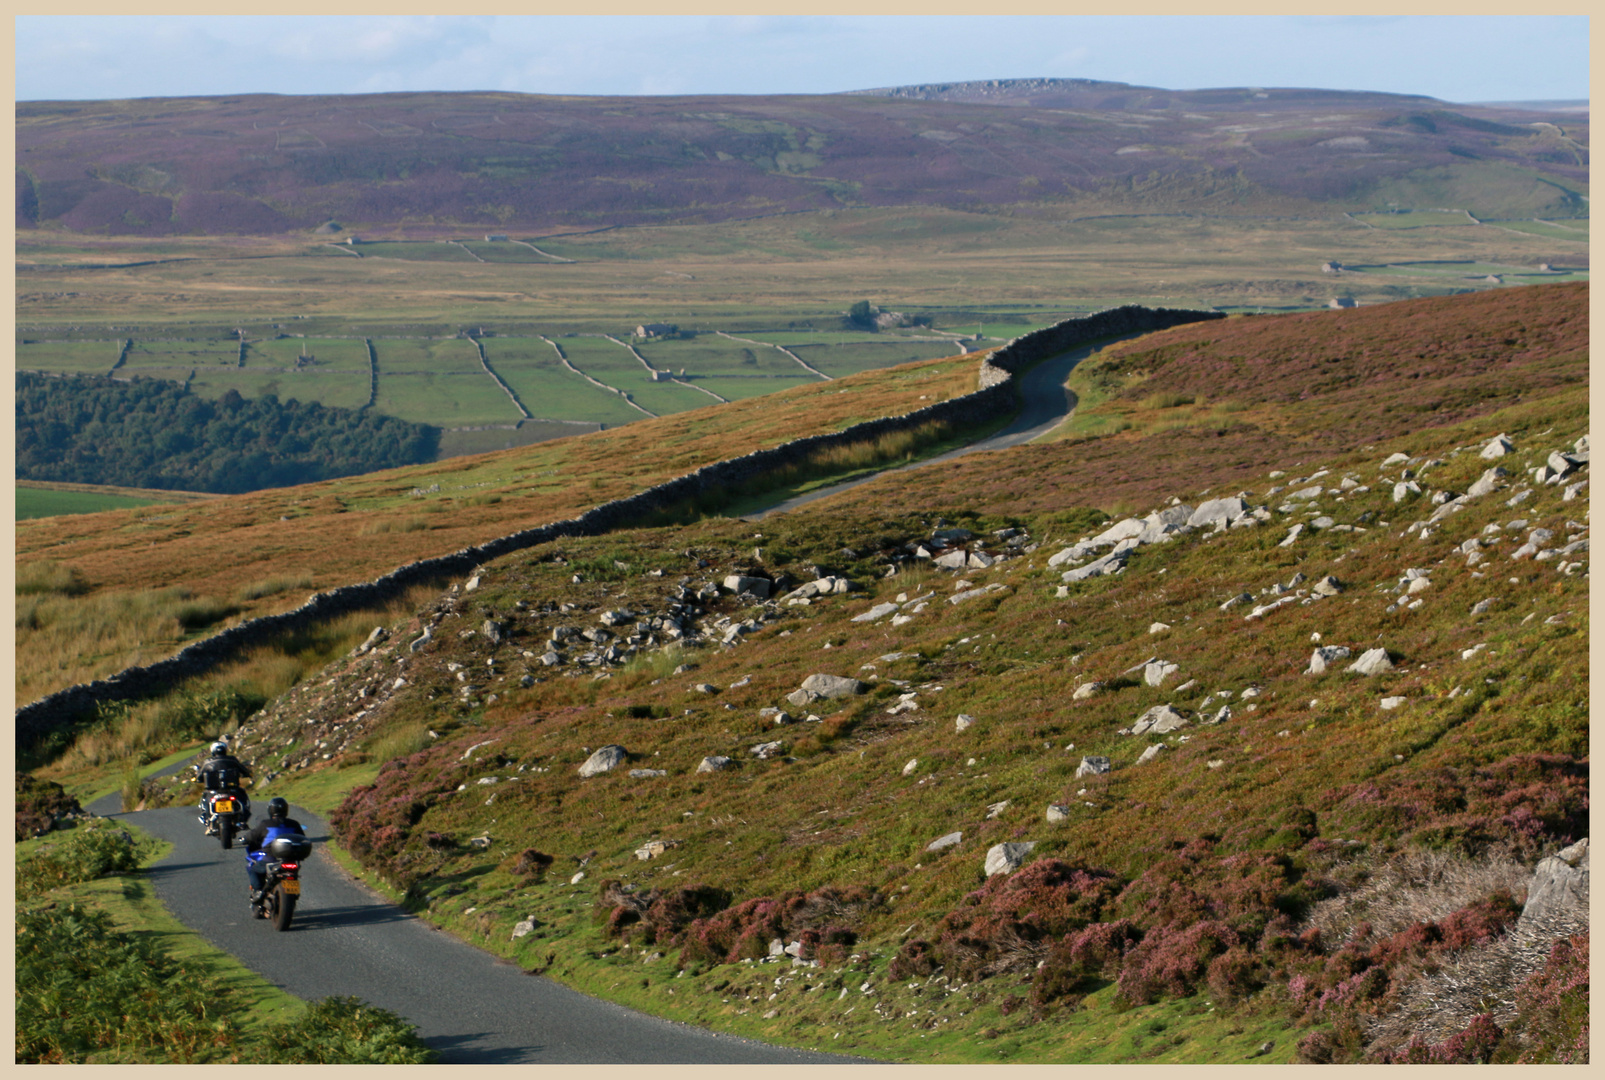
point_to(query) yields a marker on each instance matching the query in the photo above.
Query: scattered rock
(1328, 586)
(943, 842)
(1058, 812)
(1007, 858)
(715, 764)
(1372, 662)
(1151, 753)
(604, 759)
(1157, 721)
(1498, 448)
(765, 751)
(653, 848)
(995, 810)
(833, 686)
(913, 764)
(1487, 483)
(1389, 703)
(879, 611)
(757, 586)
(1322, 657)
(647, 774)
(1292, 535)
(1086, 690)
(1093, 765)
(1559, 890)
(963, 722)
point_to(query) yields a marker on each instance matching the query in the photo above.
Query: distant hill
(269, 164)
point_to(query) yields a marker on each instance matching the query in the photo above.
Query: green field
(449, 355)
(44, 502)
(308, 354)
(91, 357)
(1415, 219)
(549, 390)
(1576, 230)
(505, 251)
(147, 356)
(607, 362)
(709, 354)
(336, 389)
(413, 252)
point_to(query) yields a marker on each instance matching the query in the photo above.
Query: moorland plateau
(1229, 725)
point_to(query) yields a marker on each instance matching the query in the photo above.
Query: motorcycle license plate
(291, 888)
(223, 806)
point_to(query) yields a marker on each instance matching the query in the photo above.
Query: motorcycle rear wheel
(283, 909)
(225, 832)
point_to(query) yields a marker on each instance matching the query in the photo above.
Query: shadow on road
(460, 1050)
(352, 915)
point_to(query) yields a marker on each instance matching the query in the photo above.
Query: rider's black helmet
(278, 808)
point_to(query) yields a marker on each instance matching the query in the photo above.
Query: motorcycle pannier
(289, 848)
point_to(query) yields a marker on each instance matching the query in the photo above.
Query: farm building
(495, 238)
(656, 329)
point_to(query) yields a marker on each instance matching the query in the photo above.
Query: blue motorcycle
(279, 860)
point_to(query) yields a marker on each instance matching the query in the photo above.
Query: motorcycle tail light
(291, 865)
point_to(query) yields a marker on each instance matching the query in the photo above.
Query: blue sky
(1456, 58)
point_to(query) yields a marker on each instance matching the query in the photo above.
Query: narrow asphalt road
(468, 1006)
(1047, 403)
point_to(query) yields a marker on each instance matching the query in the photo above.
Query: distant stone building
(656, 329)
(494, 238)
(1331, 267)
(1342, 302)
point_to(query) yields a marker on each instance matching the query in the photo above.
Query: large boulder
(1093, 765)
(943, 842)
(604, 759)
(741, 583)
(1498, 448)
(834, 686)
(1216, 510)
(1007, 858)
(1487, 483)
(1159, 720)
(1111, 562)
(1372, 662)
(1559, 891)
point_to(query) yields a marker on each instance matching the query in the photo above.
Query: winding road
(470, 1007)
(1047, 404)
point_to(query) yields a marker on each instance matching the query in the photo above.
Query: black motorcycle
(224, 813)
(280, 862)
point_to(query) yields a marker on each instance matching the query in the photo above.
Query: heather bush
(1476, 1044)
(1528, 801)
(1234, 976)
(1010, 923)
(916, 959)
(1171, 961)
(718, 933)
(1552, 1007)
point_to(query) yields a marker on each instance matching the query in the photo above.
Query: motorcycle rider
(222, 772)
(276, 825)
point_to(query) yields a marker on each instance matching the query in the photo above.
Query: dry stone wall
(993, 400)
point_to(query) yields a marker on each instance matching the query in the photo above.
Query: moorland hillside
(267, 164)
(1190, 737)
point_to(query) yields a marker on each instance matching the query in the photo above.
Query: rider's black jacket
(258, 836)
(220, 773)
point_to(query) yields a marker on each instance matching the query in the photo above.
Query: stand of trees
(155, 434)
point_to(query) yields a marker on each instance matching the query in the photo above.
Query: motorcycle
(280, 863)
(224, 813)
